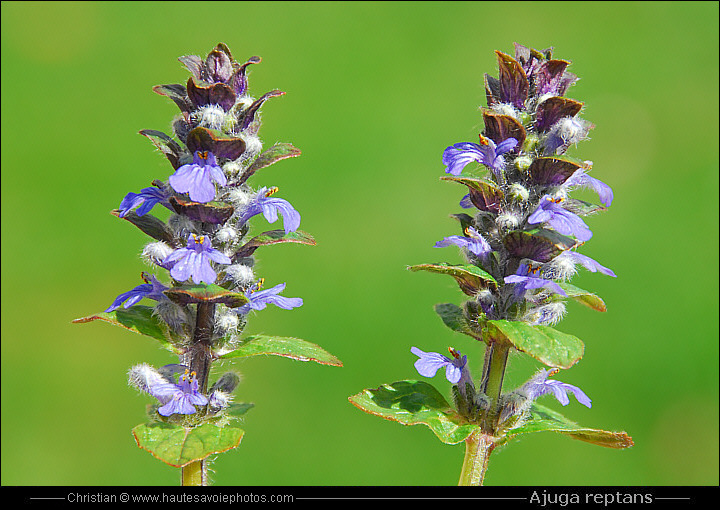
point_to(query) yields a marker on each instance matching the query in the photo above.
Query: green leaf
(179, 446)
(150, 225)
(138, 319)
(470, 278)
(582, 208)
(539, 244)
(454, 318)
(584, 297)
(414, 403)
(166, 144)
(283, 346)
(239, 408)
(544, 419)
(204, 293)
(545, 344)
(465, 220)
(553, 170)
(274, 154)
(273, 237)
(213, 212)
(485, 195)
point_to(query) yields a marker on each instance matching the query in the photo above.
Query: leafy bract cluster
(206, 251)
(520, 238)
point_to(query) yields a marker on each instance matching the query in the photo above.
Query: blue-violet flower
(194, 260)
(582, 179)
(540, 385)
(259, 299)
(269, 207)
(474, 242)
(587, 262)
(144, 201)
(565, 222)
(152, 289)
(525, 282)
(430, 362)
(197, 178)
(456, 157)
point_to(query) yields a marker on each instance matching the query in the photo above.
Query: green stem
(478, 447)
(194, 474)
(480, 444)
(494, 373)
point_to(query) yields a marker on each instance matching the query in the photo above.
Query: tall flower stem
(478, 447)
(480, 444)
(496, 356)
(200, 357)
(200, 352)
(194, 474)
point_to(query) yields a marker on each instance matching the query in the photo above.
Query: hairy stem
(496, 357)
(478, 447)
(200, 351)
(480, 444)
(194, 474)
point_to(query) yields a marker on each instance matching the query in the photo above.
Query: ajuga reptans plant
(205, 253)
(520, 240)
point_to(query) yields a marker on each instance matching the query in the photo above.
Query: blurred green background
(375, 92)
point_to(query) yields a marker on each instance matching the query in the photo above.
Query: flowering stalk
(520, 246)
(208, 255)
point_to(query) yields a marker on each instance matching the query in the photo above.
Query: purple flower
(582, 179)
(474, 242)
(565, 222)
(144, 201)
(194, 260)
(455, 158)
(540, 385)
(525, 282)
(259, 299)
(430, 362)
(197, 178)
(269, 207)
(152, 289)
(587, 262)
(178, 398)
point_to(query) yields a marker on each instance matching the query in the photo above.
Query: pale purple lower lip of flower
(475, 243)
(524, 282)
(144, 201)
(430, 362)
(259, 299)
(540, 385)
(587, 262)
(457, 157)
(582, 179)
(179, 398)
(193, 261)
(153, 290)
(269, 207)
(565, 222)
(197, 178)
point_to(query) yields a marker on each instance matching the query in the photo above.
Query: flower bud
(505, 109)
(508, 220)
(241, 275)
(210, 116)
(546, 315)
(518, 192)
(155, 253)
